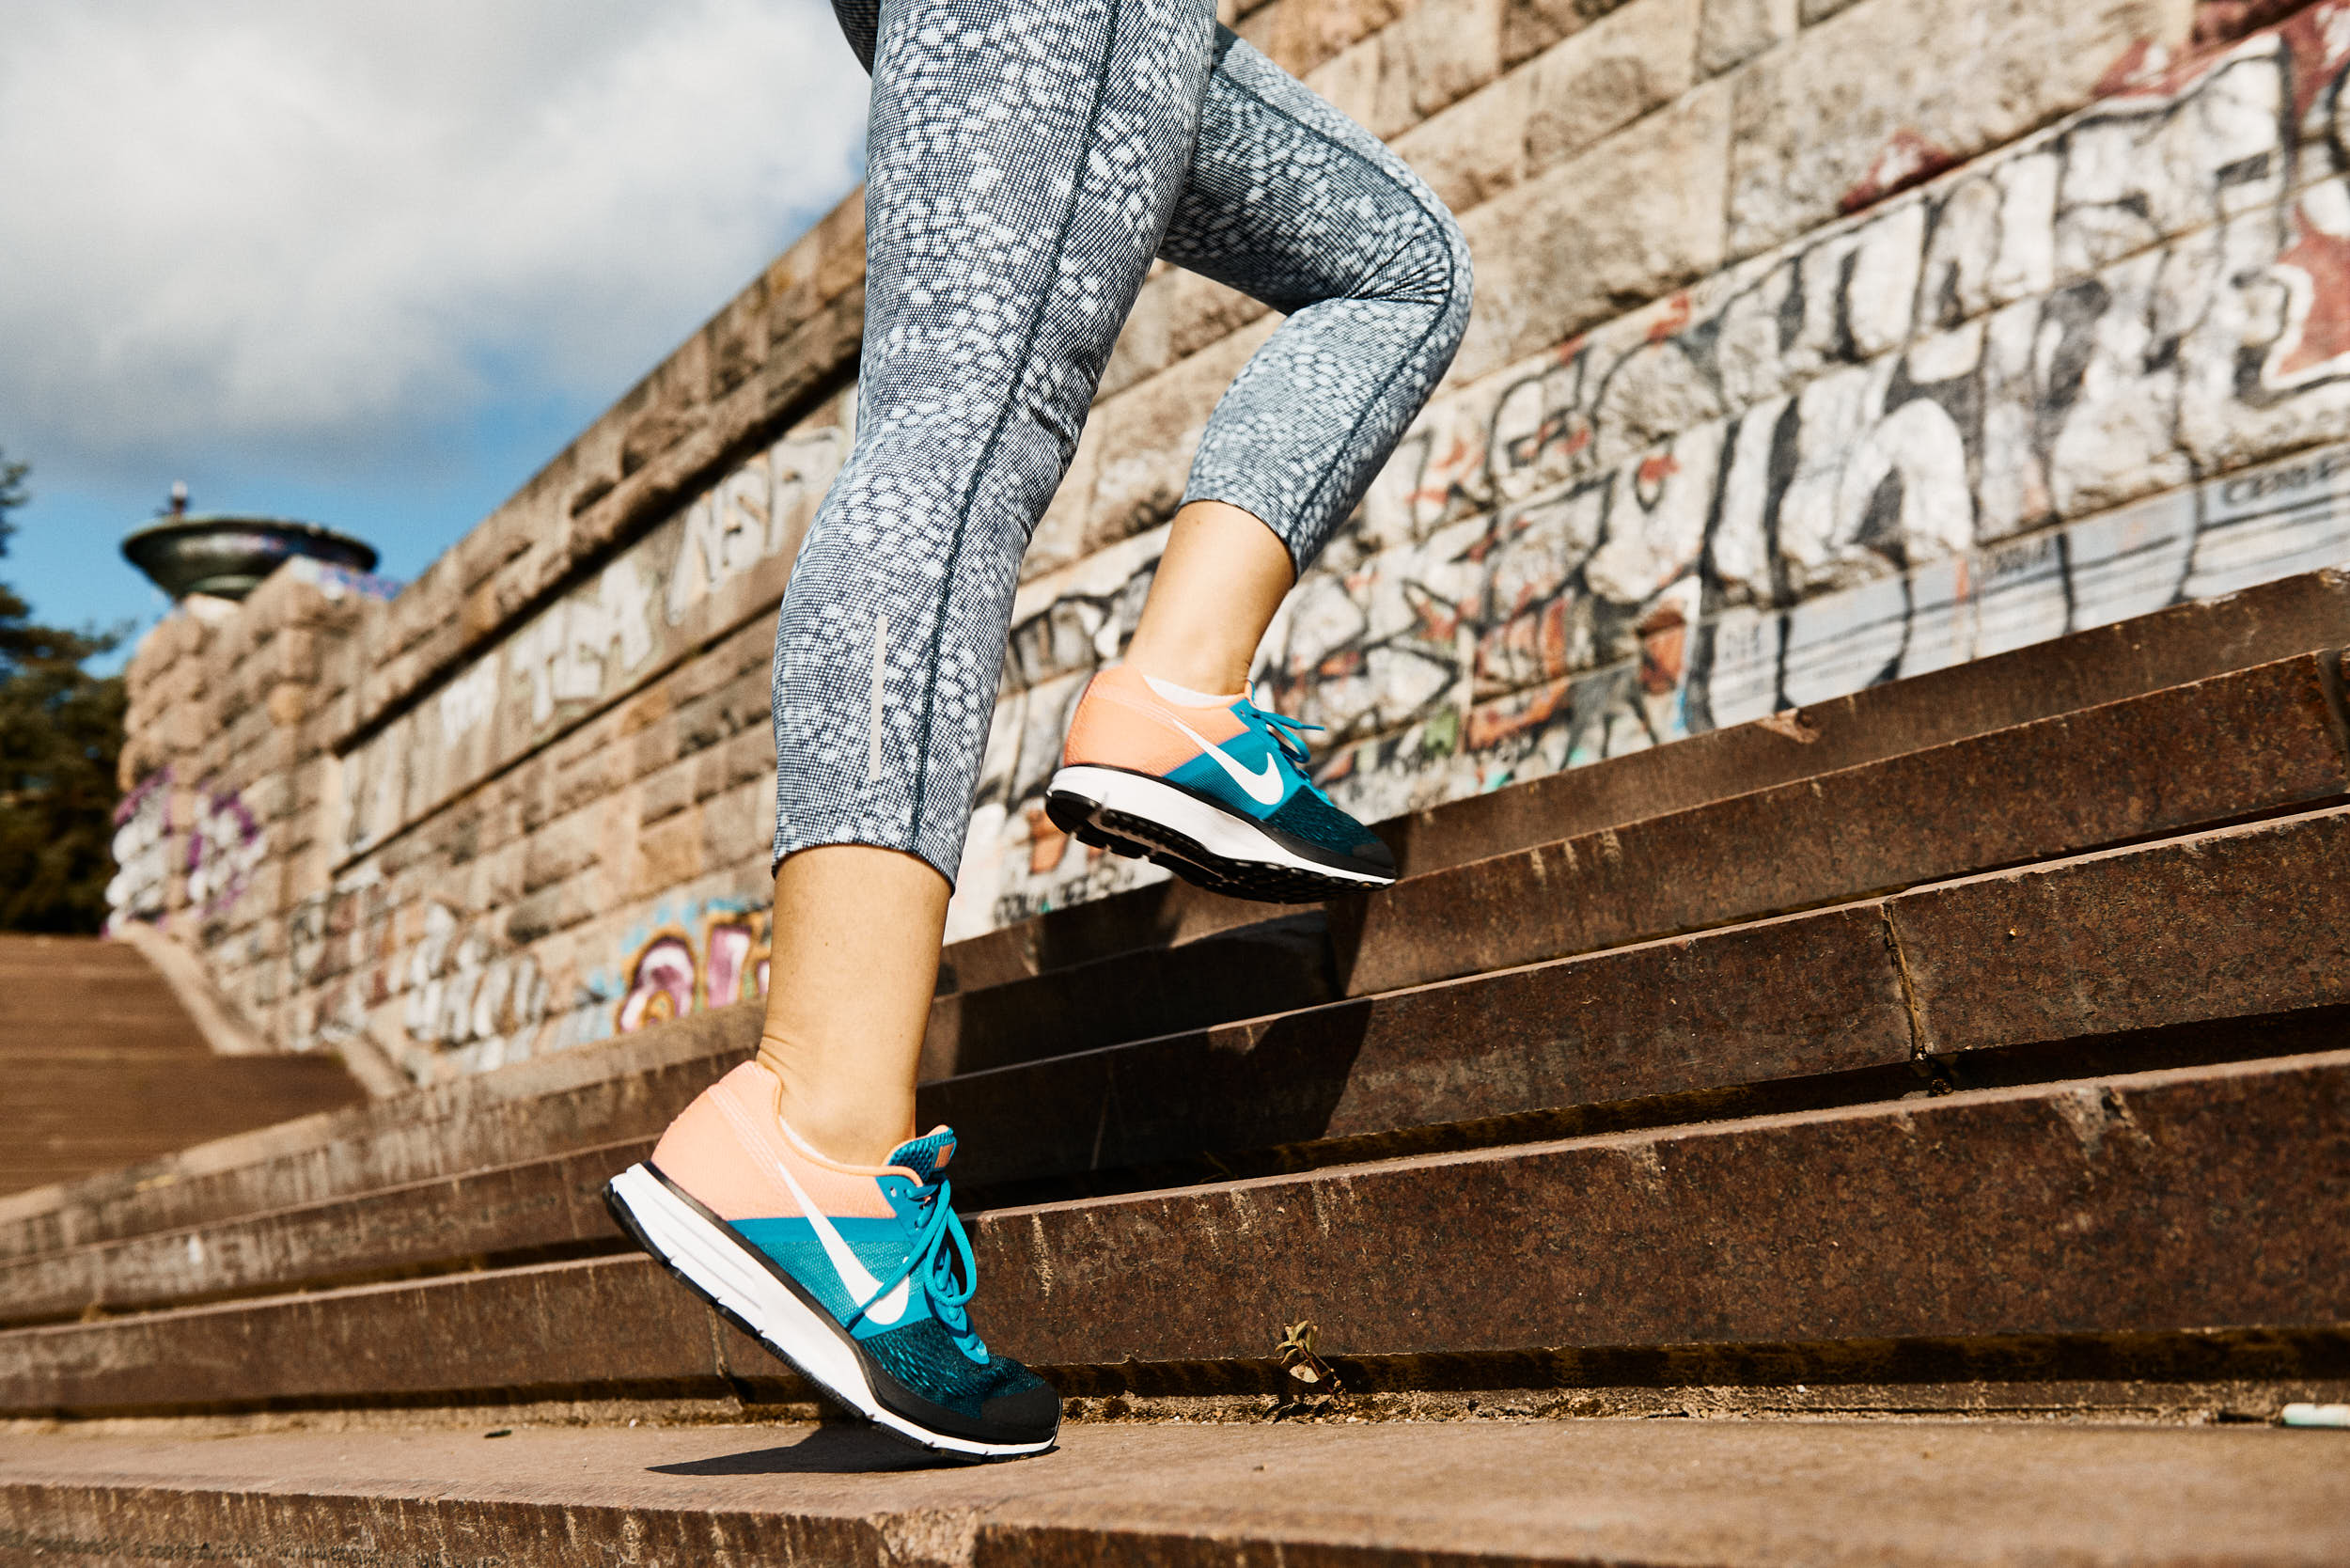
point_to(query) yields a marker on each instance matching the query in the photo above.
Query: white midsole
(716, 1264)
(1214, 831)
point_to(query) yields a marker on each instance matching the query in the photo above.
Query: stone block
(1629, 62)
(1476, 149)
(1639, 214)
(739, 825)
(1301, 35)
(839, 239)
(1891, 91)
(1434, 58)
(1148, 434)
(669, 854)
(747, 755)
(286, 702)
(654, 746)
(1141, 350)
(561, 850)
(1349, 82)
(590, 772)
(1060, 536)
(548, 910)
(2236, 923)
(1530, 26)
(1204, 312)
(1732, 32)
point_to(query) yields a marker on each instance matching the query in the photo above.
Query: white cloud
(318, 231)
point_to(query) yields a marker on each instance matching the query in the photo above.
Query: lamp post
(225, 556)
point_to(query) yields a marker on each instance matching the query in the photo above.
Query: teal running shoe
(859, 1277)
(1215, 792)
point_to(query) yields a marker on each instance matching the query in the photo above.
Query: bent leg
(1295, 204)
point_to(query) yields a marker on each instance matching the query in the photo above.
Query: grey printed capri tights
(1025, 161)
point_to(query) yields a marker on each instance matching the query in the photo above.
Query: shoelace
(1286, 732)
(934, 1263)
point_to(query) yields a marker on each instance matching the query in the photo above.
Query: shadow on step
(1273, 1088)
(828, 1450)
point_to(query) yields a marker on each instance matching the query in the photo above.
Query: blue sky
(371, 266)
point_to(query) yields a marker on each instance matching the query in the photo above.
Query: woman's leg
(849, 987)
(1218, 582)
(1295, 204)
(1023, 160)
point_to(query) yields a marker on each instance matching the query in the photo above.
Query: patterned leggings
(1026, 160)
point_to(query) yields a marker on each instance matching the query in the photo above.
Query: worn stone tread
(2075, 1208)
(1593, 1491)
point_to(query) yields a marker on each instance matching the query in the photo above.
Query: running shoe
(857, 1276)
(1213, 788)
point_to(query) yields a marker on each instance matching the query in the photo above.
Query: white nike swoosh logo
(853, 1271)
(1264, 788)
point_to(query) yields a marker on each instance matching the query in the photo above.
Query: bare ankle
(844, 1128)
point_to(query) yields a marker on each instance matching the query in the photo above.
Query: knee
(1431, 268)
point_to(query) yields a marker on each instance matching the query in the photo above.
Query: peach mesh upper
(725, 1148)
(1121, 722)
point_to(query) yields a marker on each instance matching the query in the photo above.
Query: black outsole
(627, 1222)
(1140, 838)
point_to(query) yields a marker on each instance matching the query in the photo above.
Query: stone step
(2145, 956)
(2233, 745)
(1133, 949)
(1335, 1495)
(104, 1068)
(550, 1105)
(1270, 967)
(1135, 956)
(81, 996)
(531, 1211)
(2196, 1209)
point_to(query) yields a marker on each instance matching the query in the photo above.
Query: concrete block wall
(1814, 344)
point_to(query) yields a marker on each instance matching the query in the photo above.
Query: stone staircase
(103, 1066)
(1968, 1048)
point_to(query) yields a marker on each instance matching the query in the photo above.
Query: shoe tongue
(927, 1155)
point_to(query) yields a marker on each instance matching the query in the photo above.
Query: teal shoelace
(941, 1262)
(1286, 732)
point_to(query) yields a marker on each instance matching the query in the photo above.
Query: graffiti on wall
(2049, 389)
(226, 843)
(721, 556)
(714, 961)
(1918, 436)
(460, 998)
(141, 851)
(465, 994)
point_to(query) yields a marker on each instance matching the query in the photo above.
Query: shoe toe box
(1029, 1414)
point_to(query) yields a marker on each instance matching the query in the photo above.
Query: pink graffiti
(729, 945)
(661, 985)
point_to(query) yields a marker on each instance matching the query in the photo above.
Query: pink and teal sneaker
(859, 1277)
(1214, 789)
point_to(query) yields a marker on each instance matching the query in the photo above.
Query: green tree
(60, 732)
